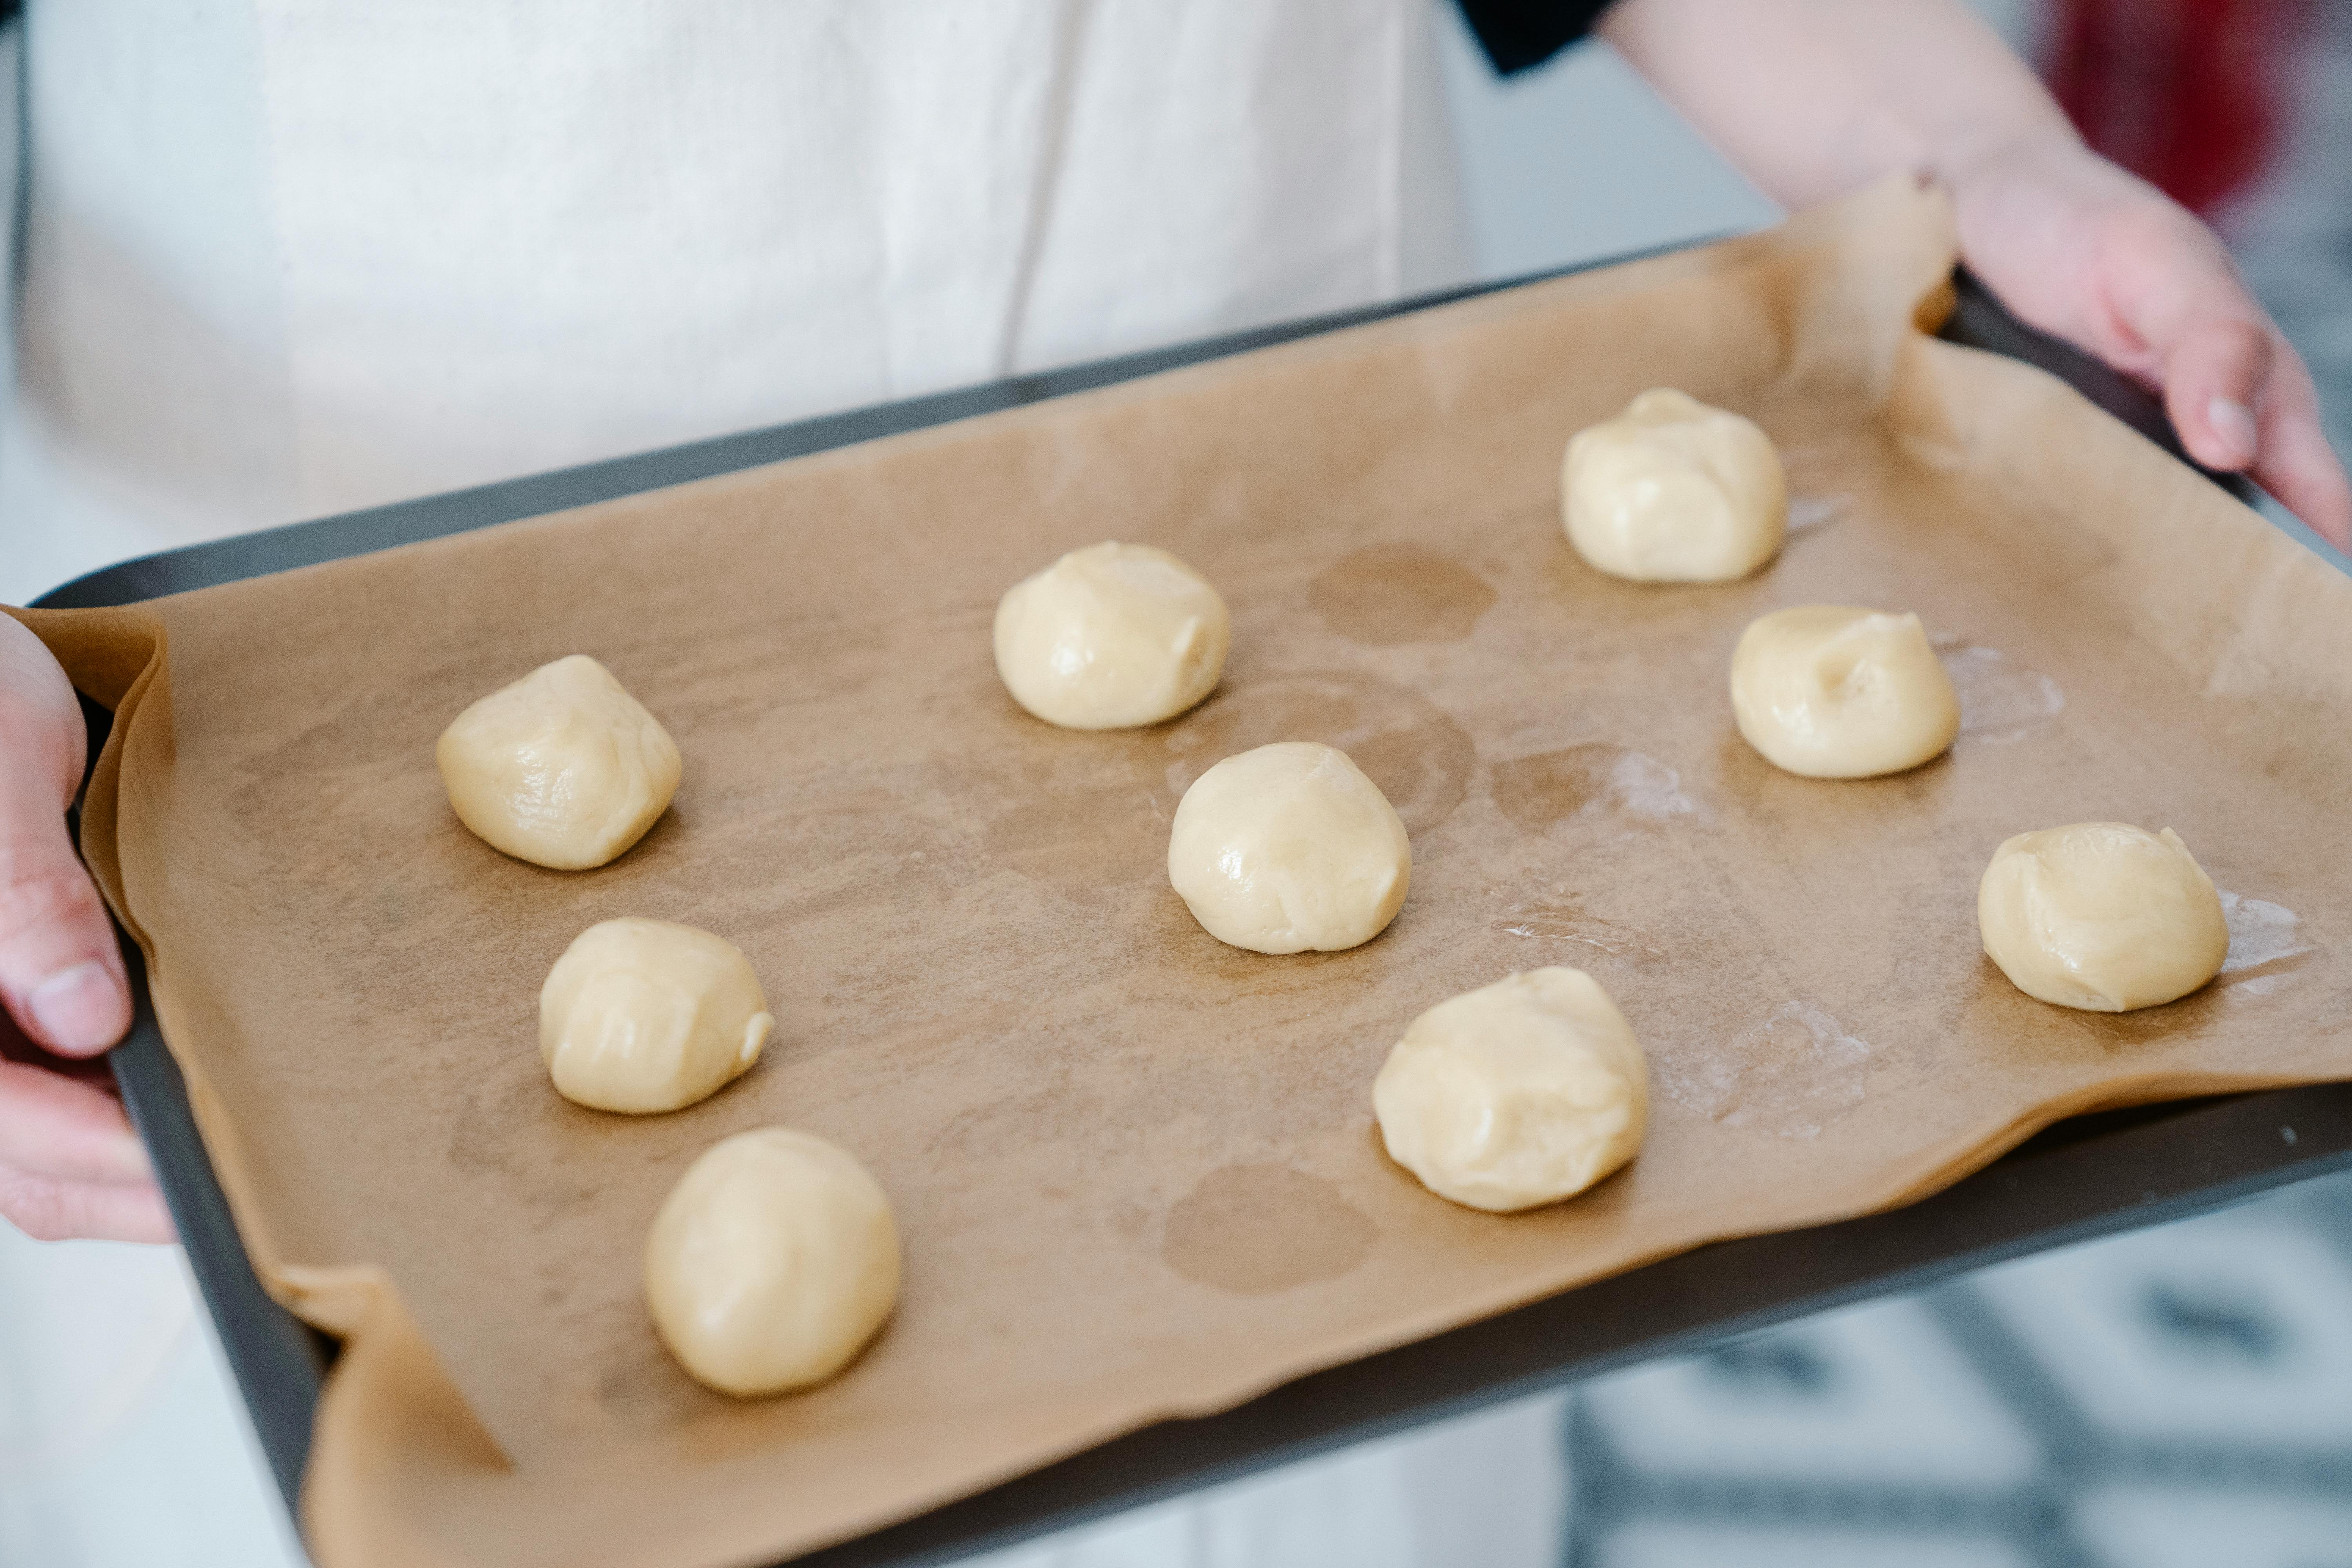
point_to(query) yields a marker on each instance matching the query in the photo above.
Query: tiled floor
(2182, 1393)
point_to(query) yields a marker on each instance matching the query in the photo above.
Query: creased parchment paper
(1136, 1169)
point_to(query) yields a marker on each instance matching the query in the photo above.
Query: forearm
(1815, 98)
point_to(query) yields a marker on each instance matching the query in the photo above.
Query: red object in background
(2189, 95)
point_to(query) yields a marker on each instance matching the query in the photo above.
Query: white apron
(282, 258)
(287, 258)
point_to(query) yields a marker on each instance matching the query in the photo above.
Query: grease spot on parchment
(648, 1391)
(1560, 916)
(1586, 781)
(1794, 1071)
(1081, 833)
(1999, 702)
(1252, 1230)
(1809, 512)
(2265, 938)
(487, 1136)
(1400, 593)
(1078, 812)
(1405, 743)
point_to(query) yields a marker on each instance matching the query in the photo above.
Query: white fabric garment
(287, 258)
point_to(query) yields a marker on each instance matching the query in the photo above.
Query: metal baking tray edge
(2084, 1177)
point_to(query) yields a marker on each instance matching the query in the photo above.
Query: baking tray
(2083, 1178)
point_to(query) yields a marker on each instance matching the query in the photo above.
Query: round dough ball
(648, 1015)
(563, 769)
(1522, 1093)
(1289, 847)
(1672, 491)
(772, 1263)
(2102, 916)
(1111, 636)
(1833, 692)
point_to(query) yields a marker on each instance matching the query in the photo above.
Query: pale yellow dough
(563, 768)
(772, 1262)
(1519, 1094)
(1833, 692)
(1672, 491)
(2102, 916)
(1289, 847)
(647, 1015)
(1111, 636)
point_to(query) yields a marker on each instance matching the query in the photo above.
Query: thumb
(60, 972)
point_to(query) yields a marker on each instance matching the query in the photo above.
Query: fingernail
(82, 1008)
(2233, 422)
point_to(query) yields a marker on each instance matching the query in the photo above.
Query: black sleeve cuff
(1521, 34)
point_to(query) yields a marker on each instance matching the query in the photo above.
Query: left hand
(2078, 248)
(69, 1164)
(1816, 98)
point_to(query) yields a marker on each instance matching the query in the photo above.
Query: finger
(2214, 374)
(38, 716)
(2297, 465)
(2184, 321)
(54, 1127)
(60, 972)
(51, 1210)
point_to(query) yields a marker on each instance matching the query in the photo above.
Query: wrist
(1977, 162)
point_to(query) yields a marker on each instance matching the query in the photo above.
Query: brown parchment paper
(1135, 1169)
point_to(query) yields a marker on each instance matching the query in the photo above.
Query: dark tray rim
(2085, 1177)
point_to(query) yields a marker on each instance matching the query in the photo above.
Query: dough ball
(647, 1016)
(1673, 491)
(2101, 916)
(1289, 847)
(772, 1263)
(563, 768)
(1111, 636)
(1833, 692)
(1523, 1094)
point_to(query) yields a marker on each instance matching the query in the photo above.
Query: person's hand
(1817, 98)
(69, 1164)
(2078, 248)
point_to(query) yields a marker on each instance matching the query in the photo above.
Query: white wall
(1578, 159)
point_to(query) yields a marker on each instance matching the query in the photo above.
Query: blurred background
(2181, 1395)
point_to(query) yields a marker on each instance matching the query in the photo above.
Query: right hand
(69, 1164)
(2078, 248)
